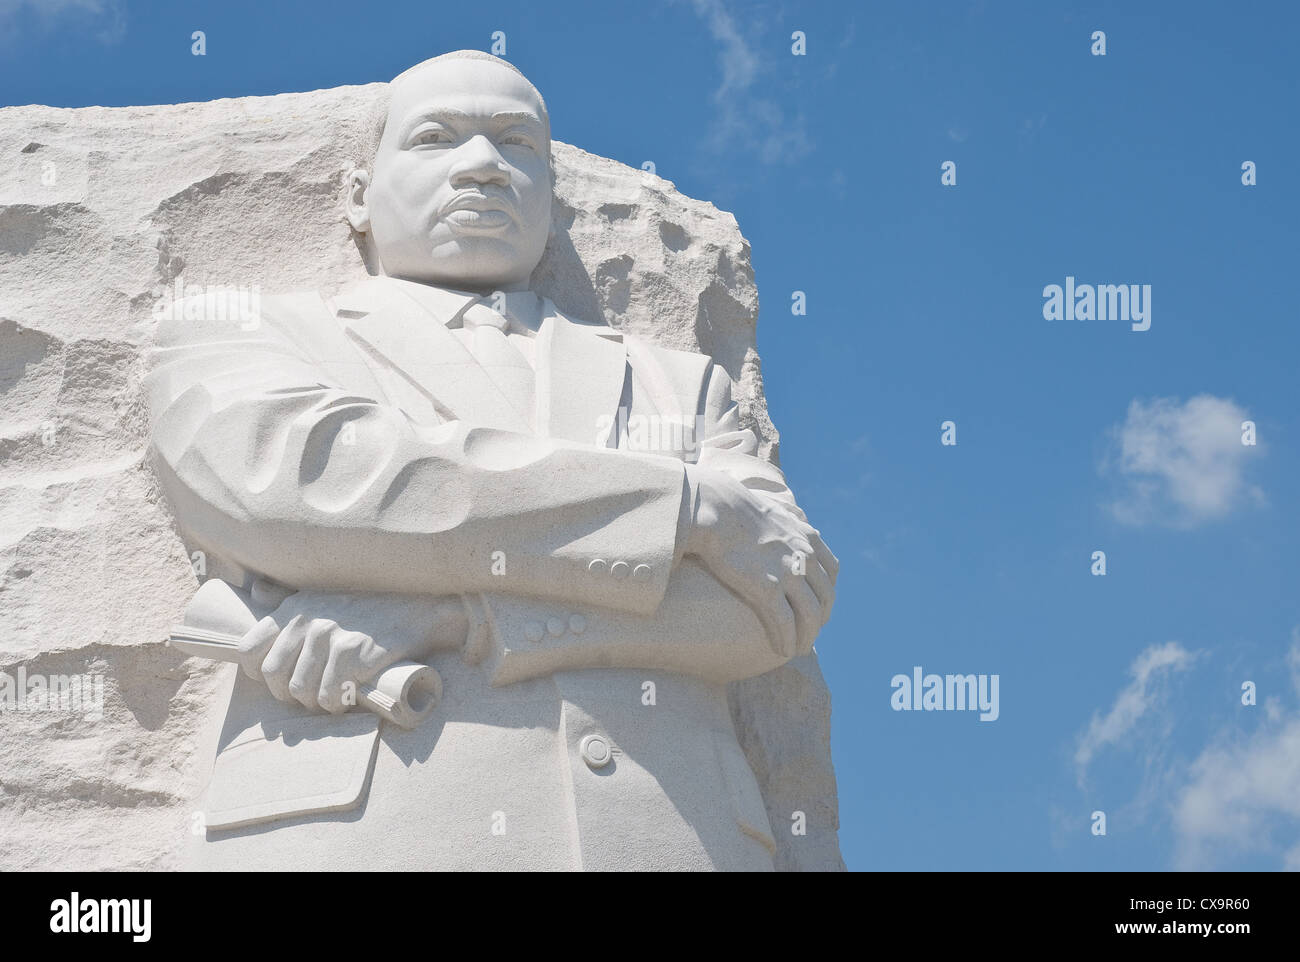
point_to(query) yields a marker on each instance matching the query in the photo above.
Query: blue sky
(1119, 693)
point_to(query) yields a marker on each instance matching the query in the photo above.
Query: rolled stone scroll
(403, 693)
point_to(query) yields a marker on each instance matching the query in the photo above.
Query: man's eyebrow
(436, 113)
(517, 116)
(453, 114)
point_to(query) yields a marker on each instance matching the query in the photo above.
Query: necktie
(484, 333)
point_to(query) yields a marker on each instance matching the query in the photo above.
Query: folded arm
(271, 461)
(279, 454)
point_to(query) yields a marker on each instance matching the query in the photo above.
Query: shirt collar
(526, 310)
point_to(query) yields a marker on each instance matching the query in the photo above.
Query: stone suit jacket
(359, 447)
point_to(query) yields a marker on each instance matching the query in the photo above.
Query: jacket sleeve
(702, 629)
(276, 452)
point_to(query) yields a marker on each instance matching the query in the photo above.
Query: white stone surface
(106, 208)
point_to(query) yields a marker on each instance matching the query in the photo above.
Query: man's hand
(312, 649)
(777, 563)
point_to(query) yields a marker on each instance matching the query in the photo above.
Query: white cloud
(1243, 795)
(1236, 795)
(1149, 671)
(744, 119)
(1181, 464)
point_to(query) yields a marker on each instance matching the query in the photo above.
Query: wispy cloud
(744, 118)
(1149, 672)
(1243, 795)
(1240, 795)
(1181, 464)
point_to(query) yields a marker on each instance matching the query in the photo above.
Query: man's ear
(357, 207)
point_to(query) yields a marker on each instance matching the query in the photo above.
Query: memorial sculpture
(487, 568)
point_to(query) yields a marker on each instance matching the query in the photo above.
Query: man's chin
(467, 279)
(477, 263)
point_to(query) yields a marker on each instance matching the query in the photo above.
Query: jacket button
(597, 566)
(533, 631)
(577, 624)
(641, 572)
(554, 627)
(620, 569)
(595, 751)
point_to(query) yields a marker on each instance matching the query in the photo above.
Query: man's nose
(478, 162)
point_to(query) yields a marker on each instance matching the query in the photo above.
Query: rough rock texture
(101, 210)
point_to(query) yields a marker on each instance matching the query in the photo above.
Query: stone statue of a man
(437, 467)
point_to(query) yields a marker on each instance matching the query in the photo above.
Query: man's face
(460, 193)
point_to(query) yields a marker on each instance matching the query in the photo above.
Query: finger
(254, 646)
(779, 619)
(765, 598)
(304, 683)
(807, 613)
(280, 660)
(822, 587)
(343, 667)
(801, 551)
(801, 557)
(771, 500)
(825, 557)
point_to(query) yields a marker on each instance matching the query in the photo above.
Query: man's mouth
(472, 210)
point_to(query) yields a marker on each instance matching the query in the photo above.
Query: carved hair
(479, 55)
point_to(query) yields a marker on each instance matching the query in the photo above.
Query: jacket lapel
(581, 371)
(404, 328)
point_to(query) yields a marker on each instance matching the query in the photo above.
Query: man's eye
(517, 140)
(430, 137)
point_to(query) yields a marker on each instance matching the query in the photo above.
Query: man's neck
(517, 301)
